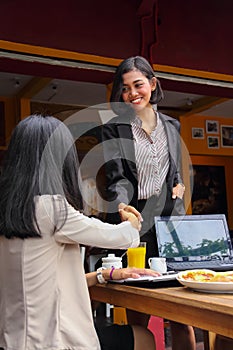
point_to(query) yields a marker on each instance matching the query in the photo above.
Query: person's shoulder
(117, 122)
(48, 201)
(118, 119)
(48, 198)
(167, 118)
(113, 120)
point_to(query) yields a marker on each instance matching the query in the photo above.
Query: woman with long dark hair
(44, 299)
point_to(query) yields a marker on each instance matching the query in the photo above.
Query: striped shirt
(152, 158)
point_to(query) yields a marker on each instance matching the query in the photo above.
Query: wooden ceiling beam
(34, 86)
(202, 104)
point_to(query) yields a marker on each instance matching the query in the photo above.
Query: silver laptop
(195, 242)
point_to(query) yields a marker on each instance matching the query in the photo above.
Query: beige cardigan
(44, 300)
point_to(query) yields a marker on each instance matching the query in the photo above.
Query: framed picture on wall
(197, 133)
(213, 141)
(227, 136)
(212, 127)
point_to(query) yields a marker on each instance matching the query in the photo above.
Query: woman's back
(44, 296)
(44, 299)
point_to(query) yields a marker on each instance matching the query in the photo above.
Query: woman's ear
(153, 84)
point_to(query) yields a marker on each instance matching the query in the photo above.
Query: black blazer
(120, 166)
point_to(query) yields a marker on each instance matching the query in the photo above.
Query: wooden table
(211, 312)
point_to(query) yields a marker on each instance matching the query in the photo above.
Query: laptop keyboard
(216, 265)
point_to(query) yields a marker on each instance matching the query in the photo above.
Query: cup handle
(149, 261)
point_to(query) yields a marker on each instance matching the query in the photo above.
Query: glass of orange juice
(137, 256)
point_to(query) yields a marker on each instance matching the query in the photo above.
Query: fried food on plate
(206, 276)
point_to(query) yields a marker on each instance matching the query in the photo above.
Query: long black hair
(41, 159)
(133, 63)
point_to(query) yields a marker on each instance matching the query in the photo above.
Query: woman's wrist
(111, 273)
(100, 276)
(108, 274)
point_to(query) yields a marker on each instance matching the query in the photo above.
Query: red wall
(193, 34)
(196, 34)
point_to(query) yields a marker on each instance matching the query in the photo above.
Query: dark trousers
(162, 205)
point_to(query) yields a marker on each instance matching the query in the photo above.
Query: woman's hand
(127, 216)
(129, 272)
(178, 191)
(130, 209)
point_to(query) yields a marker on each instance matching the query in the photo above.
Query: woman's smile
(136, 100)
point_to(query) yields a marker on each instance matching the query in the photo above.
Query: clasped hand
(129, 213)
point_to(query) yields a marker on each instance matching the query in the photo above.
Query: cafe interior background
(60, 57)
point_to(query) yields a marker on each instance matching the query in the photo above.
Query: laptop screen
(193, 237)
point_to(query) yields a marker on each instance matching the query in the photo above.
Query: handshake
(129, 213)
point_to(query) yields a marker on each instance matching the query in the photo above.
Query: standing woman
(142, 154)
(142, 150)
(44, 299)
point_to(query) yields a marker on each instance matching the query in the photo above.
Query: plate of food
(207, 280)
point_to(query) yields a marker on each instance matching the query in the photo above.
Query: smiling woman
(142, 155)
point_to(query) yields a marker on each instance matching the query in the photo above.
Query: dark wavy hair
(133, 63)
(41, 159)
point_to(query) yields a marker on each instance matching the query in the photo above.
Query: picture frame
(212, 127)
(227, 136)
(197, 133)
(213, 142)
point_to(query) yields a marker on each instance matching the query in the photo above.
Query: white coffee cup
(158, 264)
(112, 261)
